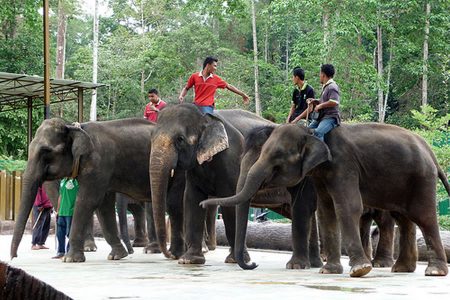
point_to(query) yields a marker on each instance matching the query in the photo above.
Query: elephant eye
(180, 140)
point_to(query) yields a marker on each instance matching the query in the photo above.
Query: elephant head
(184, 138)
(55, 152)
(287, 156)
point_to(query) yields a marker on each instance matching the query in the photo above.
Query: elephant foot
(117, 253)
(384, 262)
(139, 242)
(330, 268)
(403, 267)
(230, 259)
(297, 262)
(315, 262)
(130, 249)
(212, 245)
(360, 270)
(90, 246)
(72, 257)
(152, 248)
(176, 252)
(437, 268)
(192, 259)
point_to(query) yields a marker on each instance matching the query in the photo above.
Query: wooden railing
(10, 190)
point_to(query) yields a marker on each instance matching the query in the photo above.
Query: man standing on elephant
(327, 107)
(302, 91)
(205, 84)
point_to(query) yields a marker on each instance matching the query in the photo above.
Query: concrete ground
(151, 276)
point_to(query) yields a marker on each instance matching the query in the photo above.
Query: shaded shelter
(20, 91)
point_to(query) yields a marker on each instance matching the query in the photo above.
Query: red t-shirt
(152, 115)
(205, 89)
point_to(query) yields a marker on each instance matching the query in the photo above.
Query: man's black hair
(153, 91)
(299, 72)
(209, 60)
(328, 70)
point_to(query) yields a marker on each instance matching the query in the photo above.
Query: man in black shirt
(301, 92)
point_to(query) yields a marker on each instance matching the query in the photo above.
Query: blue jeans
(206, 109)
(322, 127)
(63, 231)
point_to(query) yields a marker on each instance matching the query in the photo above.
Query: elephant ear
(81, 145)
(213, 140)
(314, 153)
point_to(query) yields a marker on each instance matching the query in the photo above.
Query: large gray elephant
(209, 148)
(376, 165)
(106, 157)
(300, 207)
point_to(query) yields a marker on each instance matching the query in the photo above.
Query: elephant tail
(444, 180)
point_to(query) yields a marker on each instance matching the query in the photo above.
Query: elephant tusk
(172, 172)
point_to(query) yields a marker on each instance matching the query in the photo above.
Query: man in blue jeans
(68, 190)
(327, 106)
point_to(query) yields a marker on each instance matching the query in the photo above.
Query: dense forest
(392, 58)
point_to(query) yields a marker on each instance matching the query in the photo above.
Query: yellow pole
(46, 62)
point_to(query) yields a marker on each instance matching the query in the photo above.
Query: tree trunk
(287, 54)
(255, 60)
(93, 114)
(326, 36)
(61, 41)
(425, 55)
(266, 44)
(380, 73)
(388, 82)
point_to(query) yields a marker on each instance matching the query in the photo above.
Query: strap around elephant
(75, 168)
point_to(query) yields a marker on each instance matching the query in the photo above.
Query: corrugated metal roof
(16, 89)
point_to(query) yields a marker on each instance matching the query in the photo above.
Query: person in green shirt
(68, 190)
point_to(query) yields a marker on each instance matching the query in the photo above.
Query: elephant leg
(302, 211)
(364, 231)
(89, 242)
(175, 210)
(107, 218)
(437, 260)
(329, 232)
(211, 242)
(122, 204)
(229, 221)
(384, 255)
(140, 238)
(152, 246)
(83, 212)
(407, 257)
(314, 249)
(195, 223)
(349, 208)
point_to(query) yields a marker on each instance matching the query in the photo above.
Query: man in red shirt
(205, 85)
(154, 106)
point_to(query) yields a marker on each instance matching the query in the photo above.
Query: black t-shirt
(299, 99)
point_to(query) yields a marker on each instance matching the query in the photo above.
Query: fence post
(17, 192)
(3, 189)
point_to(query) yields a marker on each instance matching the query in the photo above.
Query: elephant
(301, 207)
(106, 157)
(376, 165)
(209, 148)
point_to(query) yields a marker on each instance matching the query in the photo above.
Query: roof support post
(46, 62)
(80, 105)
(29, 121)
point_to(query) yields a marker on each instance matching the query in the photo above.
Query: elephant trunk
(253, 180)
(29, 191)
(246, 188)
(163, 160)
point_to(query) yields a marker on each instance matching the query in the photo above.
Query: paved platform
(151, 276)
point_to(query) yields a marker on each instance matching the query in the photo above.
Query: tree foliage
(158, 44)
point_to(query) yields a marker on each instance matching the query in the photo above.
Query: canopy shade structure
(18, 91)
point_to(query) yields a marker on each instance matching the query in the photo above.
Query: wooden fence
(10, 190)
